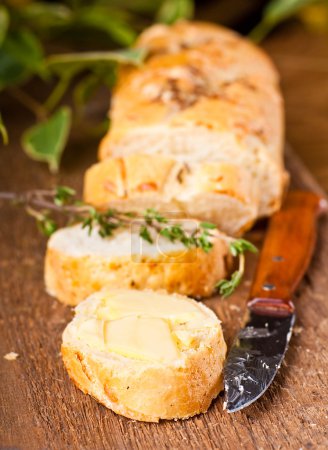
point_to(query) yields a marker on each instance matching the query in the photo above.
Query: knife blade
(259, 348)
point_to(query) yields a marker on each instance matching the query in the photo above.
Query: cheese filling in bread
(78, 264)
(204, 97)
(146, 355)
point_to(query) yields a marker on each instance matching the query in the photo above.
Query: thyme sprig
(237, 248)
(198, 237)
(43, 205)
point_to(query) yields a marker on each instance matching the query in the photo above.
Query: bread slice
(78, 264)
(203, 94)
(145, 355)
(219, 192)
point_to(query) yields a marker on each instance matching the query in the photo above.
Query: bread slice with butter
(78, 264)
(146, 355)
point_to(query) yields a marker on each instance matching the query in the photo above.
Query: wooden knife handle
(286, 253)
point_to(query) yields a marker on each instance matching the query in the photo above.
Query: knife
(260, 346)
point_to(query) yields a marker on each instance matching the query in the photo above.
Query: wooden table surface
(41, 409)
(302, 59)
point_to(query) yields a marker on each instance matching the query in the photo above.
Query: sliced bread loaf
(145, 355)
(78, 264)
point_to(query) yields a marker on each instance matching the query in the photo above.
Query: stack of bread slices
(197, 131)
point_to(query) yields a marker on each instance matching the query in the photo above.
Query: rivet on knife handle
(286, 253)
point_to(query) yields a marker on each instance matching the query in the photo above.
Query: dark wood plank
(301, 56)
(40, 407)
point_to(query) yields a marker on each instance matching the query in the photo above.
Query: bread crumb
(234, 307)
(297, 330)
(11, 356)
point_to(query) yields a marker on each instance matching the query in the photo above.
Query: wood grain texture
(301, 56)
(41, 408)
(286, 253)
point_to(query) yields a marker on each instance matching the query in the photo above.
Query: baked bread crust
(71, 278)
(150, 391)
(219, 192)
(204, 94)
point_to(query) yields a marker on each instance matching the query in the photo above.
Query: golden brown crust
(192, 63)
(152, 392)
(112, 182)
(205, 37)
(204, 94)
(192, 272)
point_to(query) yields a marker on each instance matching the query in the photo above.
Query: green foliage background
(32, 32)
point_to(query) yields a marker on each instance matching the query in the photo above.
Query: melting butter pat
(92, 331)
(143, 325)
(146, 338)
(118, 303)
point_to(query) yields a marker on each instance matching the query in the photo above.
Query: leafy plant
(227, 287)
(29, 30)
(276, 12)
(173, 10)
(237, 248)
(46, 140)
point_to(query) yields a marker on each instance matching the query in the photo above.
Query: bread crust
(191, 272)
(220, 192)
(204, 94)
(150, 391)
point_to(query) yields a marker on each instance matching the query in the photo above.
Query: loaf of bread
(205, 116)
(78, 264)
(145, 355)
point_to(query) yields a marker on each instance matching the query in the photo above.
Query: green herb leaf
(130, 214)
(72, 63)
(108, 20)
(276, 12)
(43, 15)
(46, 225)
(227, 287)
(204, 242)
(177, 232)
(173, 10)
(107, 222)
(239, 246)
(46, 141)
(165, 232)
(144, 234)
(4, 23)
(151, 214)
(85, 88)
(21, 56)
(3, 131)
(63, 195)
(87, 223)
(207, 225)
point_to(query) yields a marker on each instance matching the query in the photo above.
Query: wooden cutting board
(41, 409)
